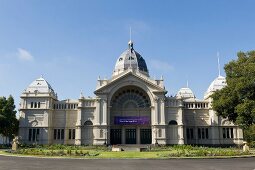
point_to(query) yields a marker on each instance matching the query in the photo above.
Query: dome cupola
(130, 59)
(217, 84)
(40, 85)
(185, 93)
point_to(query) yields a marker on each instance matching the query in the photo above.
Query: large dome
(130, 59)
(217, 84)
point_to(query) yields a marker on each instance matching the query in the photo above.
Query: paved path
(21, 163)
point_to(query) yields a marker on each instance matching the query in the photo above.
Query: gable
(130, 78)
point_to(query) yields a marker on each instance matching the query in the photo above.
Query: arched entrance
(130, 116)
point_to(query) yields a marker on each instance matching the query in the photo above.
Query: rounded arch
(172, 122)
(135, 84)
(88, 123)
(130, 97)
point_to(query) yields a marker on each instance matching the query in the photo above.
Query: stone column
(156, 111)
(162, 117)
(66, 134)
(104, 104)
(97, 116)
(78, 128)
(234, 133)
(180, 131)
(25, 104)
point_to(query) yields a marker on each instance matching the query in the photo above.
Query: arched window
(172, 122)
(88, 123)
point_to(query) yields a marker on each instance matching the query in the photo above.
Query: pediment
(130, 78)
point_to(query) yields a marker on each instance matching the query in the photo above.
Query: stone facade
(117, 113)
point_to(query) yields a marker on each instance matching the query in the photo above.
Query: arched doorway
(87, 133)
(130, 116)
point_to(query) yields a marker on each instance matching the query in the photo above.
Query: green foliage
(158, 152)
(189, 151)
(249, 135)
(237, 100)
(8, 123)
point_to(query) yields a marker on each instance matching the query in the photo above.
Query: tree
(236, 101)
(8, 123)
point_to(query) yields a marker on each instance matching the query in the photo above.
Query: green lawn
(178, 151)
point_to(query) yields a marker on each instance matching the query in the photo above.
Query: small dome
(40, 85)
(217, 84)
(185, 93)
(130, 59)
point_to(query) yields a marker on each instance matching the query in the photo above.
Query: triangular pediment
(130, 78)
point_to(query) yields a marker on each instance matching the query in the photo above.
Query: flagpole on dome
(130, 44)
(218, 56)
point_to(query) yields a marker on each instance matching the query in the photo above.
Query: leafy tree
(8, 122)
(236, 101)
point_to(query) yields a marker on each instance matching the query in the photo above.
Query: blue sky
(71, 43)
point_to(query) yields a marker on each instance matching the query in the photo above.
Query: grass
(165, 152)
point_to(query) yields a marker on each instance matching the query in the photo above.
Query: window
(159, 133)
(101, 133)
(32, 105)
(172, 122)
(39, 104)
(199, 133)
(35, 105)
(227, 133)
(203, 133)
(189, 133)
(231, 133)
(55, 134)
(62, 133)
(59, 134)
(88, 122)
(224, 133)
(71, 133)
(33, 134)
(206, 133)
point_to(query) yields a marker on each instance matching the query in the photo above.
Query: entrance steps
(131, 147)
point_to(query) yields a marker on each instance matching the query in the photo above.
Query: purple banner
(131, 120)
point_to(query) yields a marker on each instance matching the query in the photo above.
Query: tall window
(189, 133)
(159, 133)
(59, 134)
(33, 134)
(32, 105)
(227, 133)
(71, 133)
(39, 104)
(203, 133)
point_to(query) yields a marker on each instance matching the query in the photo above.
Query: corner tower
(36, 112)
